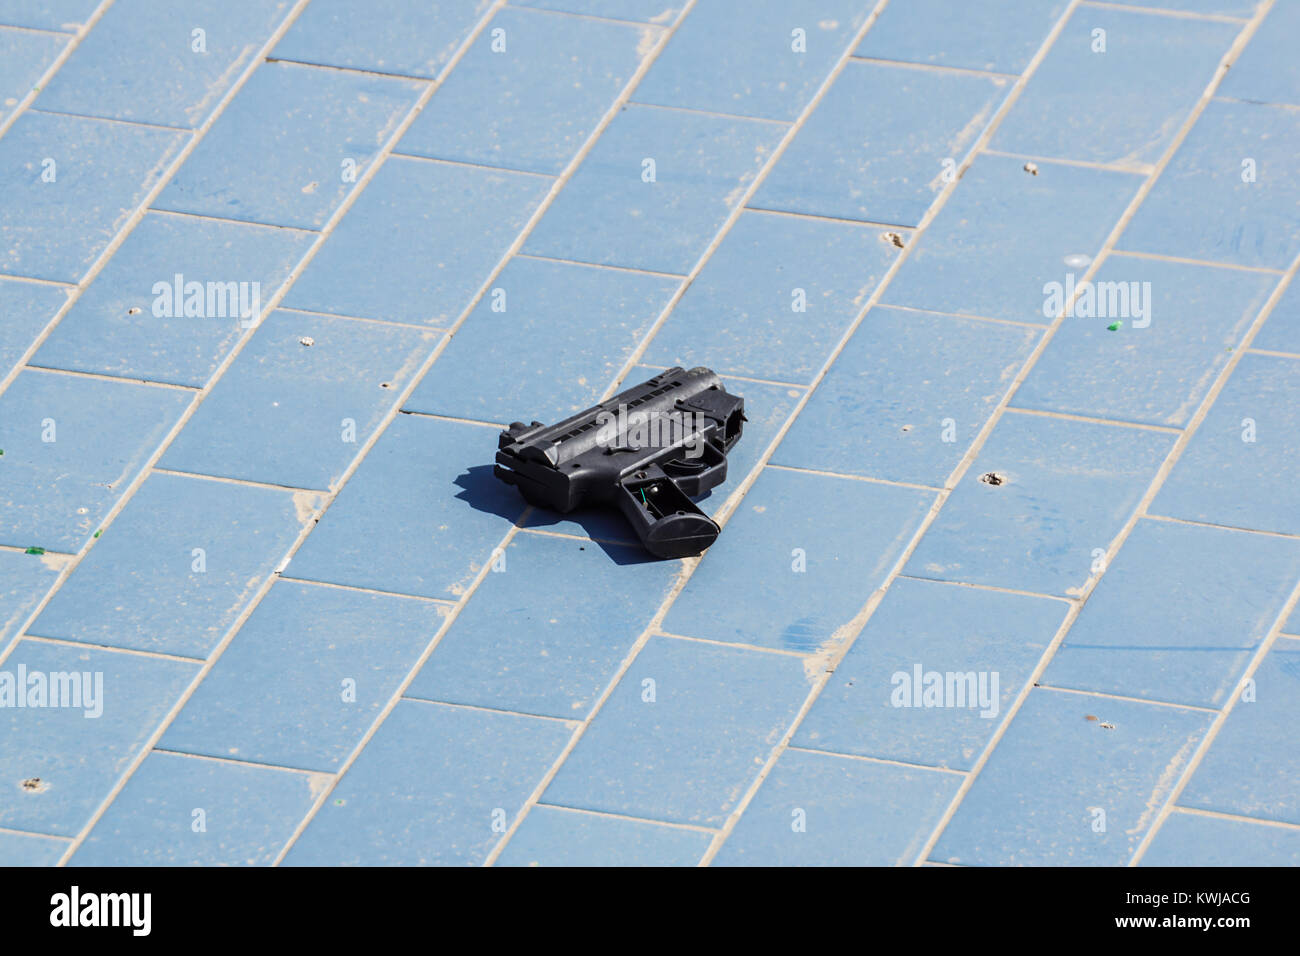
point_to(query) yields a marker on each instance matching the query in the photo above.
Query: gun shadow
(605, 527)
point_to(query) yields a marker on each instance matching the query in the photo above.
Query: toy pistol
(649, 450)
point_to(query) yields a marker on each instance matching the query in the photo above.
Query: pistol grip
(664, 517)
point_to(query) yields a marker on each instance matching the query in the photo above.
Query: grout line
(242, 763)
(21, 549)
(584, 538)
(1161, 257)
(1238, 817)
(989, 587)
(623, 816)
(1223, 527)
(1144, 169)
(1125, 697)
(487, 710)
(822, 217)
(587, 16)
(441, 602)
(884, 760)
(717, 113)
(104, 377)
(732, 377)
(496, 426)
(226, 221)
(112, 119)
(866, 478)
(1275, 353)
(483, 571)
(1115, 422)
(249, 482)
(1165, 12)
(932, 67)
(409, 77)
(135, 651)
(734, 644)
(391, 323)
(443, 161)
(1039, 326)
(58, 283)
(599, 265)
(44, 80)
(34, 833)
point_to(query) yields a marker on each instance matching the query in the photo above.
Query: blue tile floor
(1010, 567)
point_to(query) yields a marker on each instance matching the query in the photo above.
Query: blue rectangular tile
(419, 242)
(1268, 71)
(70, 186)
(1076, 781)
(29, 849)
(1281, 331)
(766, 59)
(822, 810)
(654, 190)
(184, 811)
(64, 15)
(1178, 326)
(305, 677)
(775, 297)
(301, 399)
(1042, 496)
(917, 122)
(1239, 467)
(1228, 194)
(71, 446)
(437, 785)
(767, 408)
(24, 58)
(304, 136)
(26, 308)
(558, 334)
(1001, 35)
(1252, 765)
(197, 551)
(647, 11)
(131, 322)
(684, 733)
(546, 632)
(874, 705)
(24, 580)
(103, 77)
(458, 513)
(1122, 102)
(534, 102)
(1191, 839)
(1005, 233)
(797, 561)
(913, 389)
(59, 763)
(1178, 614)
(387, 36)
(552, 836)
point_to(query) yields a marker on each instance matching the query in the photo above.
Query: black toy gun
(649, 450)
